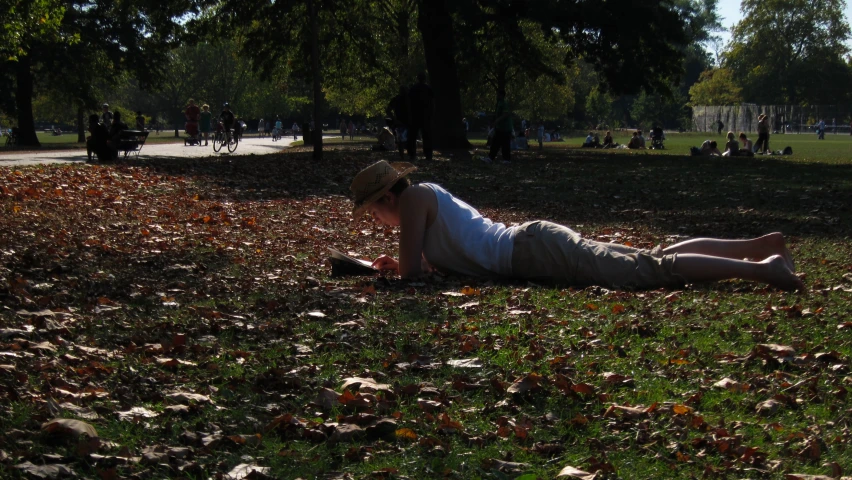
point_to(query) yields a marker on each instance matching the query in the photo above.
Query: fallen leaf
(135, 413)
(69, 426)
(50, 471)
(525, 384)
(187, 398)
(364, 384)
(465, 363)
(244, 470)
(575, 473)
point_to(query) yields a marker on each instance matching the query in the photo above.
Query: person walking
(762, 145)
(351, 129)
(503, 129)
(541, 135)
(421, 100)
(295, 130)
(205, 124)
(261, 126)
(343, 128)
(398, 112)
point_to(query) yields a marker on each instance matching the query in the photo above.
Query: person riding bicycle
(227, 118)
(279, 127)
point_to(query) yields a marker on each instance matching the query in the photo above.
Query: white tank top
(461, 240)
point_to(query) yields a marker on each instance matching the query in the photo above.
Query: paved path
(248, 146)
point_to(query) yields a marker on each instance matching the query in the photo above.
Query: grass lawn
(184, 309)
(806, 147)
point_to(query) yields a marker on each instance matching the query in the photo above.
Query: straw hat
(374, 181)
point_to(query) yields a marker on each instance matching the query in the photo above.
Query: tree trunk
(436, 28)
(81, 127)
(24, 103)
(315, 69)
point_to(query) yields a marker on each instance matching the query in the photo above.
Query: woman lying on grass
(439, 230)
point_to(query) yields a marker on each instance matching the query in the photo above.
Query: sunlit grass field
(806, 147)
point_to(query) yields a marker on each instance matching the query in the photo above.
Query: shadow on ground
(672, 194)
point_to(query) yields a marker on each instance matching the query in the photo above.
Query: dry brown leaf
(525, 384)
(406, 434)
(365, 384)
(188, 398)
(776, 350)
(768, 407)
(731, 385)
(327, 399)
(245, 470)
(45, 471)
(69, 426)
(504, 466)
(465, 363)
(575, 473)
(136, 413)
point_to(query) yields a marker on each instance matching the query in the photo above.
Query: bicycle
(222, 136)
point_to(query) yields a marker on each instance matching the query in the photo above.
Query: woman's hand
(385, 263)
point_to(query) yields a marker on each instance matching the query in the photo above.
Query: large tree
(791, 52)
(95, 41)
(26, 24)
(628, 54)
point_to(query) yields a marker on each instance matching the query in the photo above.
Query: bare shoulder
(417, 194)
(419, 197)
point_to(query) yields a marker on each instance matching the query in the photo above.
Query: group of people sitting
(637, 141)
(104, 139)
(733, 148)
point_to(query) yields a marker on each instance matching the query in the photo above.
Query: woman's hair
(743, 135)
(400, 185)
(607, 132)
(713, 144)
(205, 106)
(730, 135)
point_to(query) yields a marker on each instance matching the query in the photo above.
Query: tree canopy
(716, 87)
(791, 52)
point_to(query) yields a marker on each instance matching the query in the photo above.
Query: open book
(342, 264)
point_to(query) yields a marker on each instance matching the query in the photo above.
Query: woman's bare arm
(413, 214)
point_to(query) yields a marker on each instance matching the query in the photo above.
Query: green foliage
(715, 87)
(598, 107)
(362, 76)
(649, 109)
(791, 52)
(28, 22)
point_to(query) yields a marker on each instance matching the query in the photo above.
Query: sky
(729, 10)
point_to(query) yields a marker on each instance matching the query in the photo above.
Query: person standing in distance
(503, 129)
(106, 116)
(421, 103)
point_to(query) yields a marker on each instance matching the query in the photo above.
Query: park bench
(131, 141)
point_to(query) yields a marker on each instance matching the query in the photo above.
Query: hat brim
(361, 207)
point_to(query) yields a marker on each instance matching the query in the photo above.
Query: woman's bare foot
(777, 245)
(778, 274)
